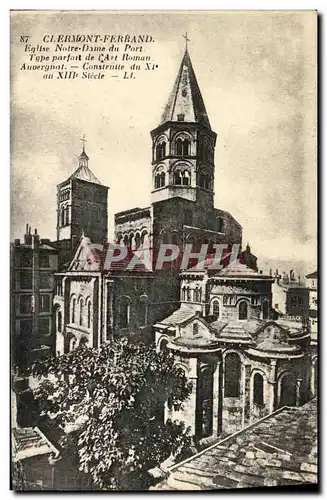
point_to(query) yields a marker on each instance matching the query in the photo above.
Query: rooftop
(277, 450)
(84, 173)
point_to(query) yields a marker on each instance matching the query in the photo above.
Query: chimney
(27, 236)
(35, 239)
(17, 242)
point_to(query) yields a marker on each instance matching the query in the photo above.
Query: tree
(110, 403)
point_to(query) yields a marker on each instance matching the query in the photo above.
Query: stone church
(219, 324)
(92, 304)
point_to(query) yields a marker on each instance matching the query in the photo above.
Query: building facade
(33, 264)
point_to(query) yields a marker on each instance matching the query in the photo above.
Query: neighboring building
(278, 450)
(290, 296)
(243, 364)
(93, 304)
(33, 264)
(312, 285)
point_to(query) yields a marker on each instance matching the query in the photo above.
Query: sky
(256, 71)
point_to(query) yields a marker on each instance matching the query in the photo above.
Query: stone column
(272, 382)
(246, 396)
(215, 399)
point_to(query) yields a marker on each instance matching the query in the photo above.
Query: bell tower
(82, 205)
(183, 144)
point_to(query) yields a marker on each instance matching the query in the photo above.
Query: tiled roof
(30, 441)
(278, 450)
(85, 174)
(185, 98)
(183, 313)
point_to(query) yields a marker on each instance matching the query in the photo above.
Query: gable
(195, 328)
(85, 258)
(272, 333)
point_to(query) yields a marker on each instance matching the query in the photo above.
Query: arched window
(142, 311)
(215, 308)
(197, 295)
(258, 398)
(137, 240)
(188, 293)
(243, 310)
(177, 177)
(165, 238)
(126, 240)
(67, 216)
(220, 225)
(130, 241)
(62, 218)
(59, 321)
(287, 390)
(89, 314)
(157, 181)
(265, 310)
(232, 375)
(195, 328)
(81, 311)
(160, 150)
(205, 409)
(205, 180)
(183, 293)
(163, 345)
(186, 147)
(124, 313)
(186, 178)
(73, 344)
(174, 239)
(179, 147)
(162, 179)
(73, 310)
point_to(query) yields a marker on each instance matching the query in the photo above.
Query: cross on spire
(83, 141)
(186, 39)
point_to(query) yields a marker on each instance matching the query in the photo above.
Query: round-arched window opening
(243, 310)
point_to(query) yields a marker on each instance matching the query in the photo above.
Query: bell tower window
(182, 147)
(205, 180)
(161, 150)
(182, 178)
(159, 180)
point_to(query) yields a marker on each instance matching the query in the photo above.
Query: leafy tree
(110, 403)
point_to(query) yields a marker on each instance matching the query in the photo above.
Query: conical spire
(185, 102)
